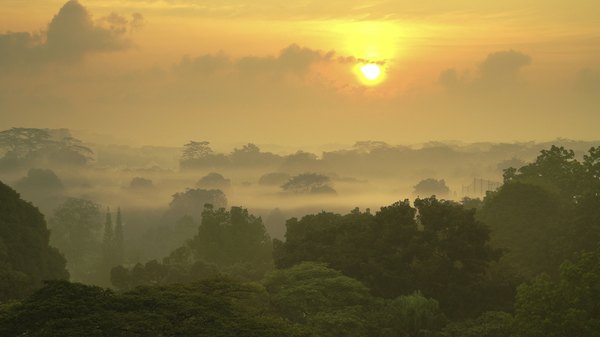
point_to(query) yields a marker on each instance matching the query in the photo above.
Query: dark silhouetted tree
(139, 183)
(430, 186)
(28, 145)
(192, 201)
(232, 239)
(444, 252)
(312, 183)
(26, 259)
(119, 239)
(196, 150)
(214, 180)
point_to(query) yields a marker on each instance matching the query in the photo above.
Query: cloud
(69, 37)
(19, 48)
(502, 68)
(451, 80)
(498, 72)
(293, 59)
(355, 60)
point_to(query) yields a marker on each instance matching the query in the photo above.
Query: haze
(298, 168)
(165, 72)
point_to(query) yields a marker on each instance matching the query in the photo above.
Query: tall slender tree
(118, 239)
(108, 230)
(108, 254)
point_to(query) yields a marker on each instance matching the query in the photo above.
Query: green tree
(444, 251)
(556, 170)
(230, 238)
(76, 230)
(526, 220)
(569, 306)
(546, 210)
(321, 298)
(26, 259)
(489, 324)
(412, 315)
(210, 308)
(454, 255)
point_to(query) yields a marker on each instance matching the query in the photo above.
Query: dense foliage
(569, 306)
(437, 247)
(26, 259)
(546, 210)
(231, 242)
(211, 308)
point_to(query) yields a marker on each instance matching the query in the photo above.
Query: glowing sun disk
(371, 71)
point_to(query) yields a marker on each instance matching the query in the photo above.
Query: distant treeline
(522, 262)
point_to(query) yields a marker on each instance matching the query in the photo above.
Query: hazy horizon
(163, 73)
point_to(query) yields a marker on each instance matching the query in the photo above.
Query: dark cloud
(69, 37)
(502, 68)
(17, 49)
(291, 60)
(499, 71)
(355, 60)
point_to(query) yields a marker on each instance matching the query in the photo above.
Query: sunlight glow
(371, 71)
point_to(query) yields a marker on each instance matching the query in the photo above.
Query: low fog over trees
(214, 180)
(311, 183)
(77, 231)
(518, 260)
(192, 201)
(26, 146)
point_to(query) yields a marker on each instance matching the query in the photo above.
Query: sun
(370, 71)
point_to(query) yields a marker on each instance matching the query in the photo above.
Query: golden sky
(288, 72)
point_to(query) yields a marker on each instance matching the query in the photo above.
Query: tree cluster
(30, 146)
(230, 242)
(212, 308)
(436, 247)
